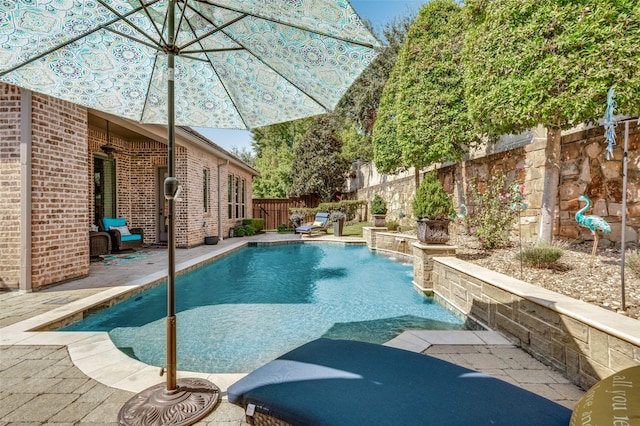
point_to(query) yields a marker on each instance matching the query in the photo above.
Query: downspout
(224, 163)
(26, 143)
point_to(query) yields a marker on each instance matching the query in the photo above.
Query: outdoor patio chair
(342, 382)
(122, 237)
(320, 224)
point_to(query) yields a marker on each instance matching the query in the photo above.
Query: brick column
(423, 255)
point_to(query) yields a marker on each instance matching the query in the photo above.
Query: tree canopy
(274, 146)
(318, 166)
(423, 117)
(551, 63)
(529, 62)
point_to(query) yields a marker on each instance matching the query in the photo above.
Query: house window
(237, 192)
(205, 190)
(236, 196)
(243, 199)
(104, 188)
(230, 196)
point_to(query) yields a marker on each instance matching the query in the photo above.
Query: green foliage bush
(257, 223)
(392, 225)
(378, 205)
(541, 256)
(431, 201)
(490, 215)
(244, 230)
(282, 228)
(348, 207)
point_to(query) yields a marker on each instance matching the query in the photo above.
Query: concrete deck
(81, 378)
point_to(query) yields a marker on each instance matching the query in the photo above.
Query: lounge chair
(320, 224)
(341, 382)
(122, 237)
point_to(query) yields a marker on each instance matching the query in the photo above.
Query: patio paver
(43, 385)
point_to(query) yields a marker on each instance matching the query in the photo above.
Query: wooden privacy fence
(275, 211)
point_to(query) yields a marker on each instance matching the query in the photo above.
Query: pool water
(253, 305)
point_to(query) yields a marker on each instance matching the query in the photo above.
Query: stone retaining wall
(584, 342)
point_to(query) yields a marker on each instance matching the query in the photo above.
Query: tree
(245, 154)
(423, 114)
(359, 104)
(274, 146)
(529, 63)
(318, 166)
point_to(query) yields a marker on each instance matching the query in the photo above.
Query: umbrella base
(192, 400)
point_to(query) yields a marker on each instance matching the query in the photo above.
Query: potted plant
(296, 218)
(378, 210)
(338, 219)
(432, 208)
(209, 240)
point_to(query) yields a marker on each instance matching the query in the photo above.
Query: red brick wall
(60, 211)
(9, 186)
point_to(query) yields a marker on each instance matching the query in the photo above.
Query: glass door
(104, 184)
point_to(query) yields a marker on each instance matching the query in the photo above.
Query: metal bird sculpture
(594, 223)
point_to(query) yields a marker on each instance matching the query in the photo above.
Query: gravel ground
(572, 276)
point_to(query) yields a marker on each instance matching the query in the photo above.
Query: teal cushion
(132, 237)
(109, 222)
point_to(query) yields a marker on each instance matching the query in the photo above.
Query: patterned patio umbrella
(216, 63)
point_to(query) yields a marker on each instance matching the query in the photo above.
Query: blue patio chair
(122, 237)
(320, 224)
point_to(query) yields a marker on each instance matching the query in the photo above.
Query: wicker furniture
(122, 237)
(99, 243)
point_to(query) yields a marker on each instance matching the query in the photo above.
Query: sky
(379, 12)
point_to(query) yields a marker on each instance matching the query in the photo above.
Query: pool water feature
(243, 310)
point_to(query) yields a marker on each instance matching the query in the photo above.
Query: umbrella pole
(188, 400)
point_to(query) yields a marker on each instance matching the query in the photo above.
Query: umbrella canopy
(238, 63)
(224, 63)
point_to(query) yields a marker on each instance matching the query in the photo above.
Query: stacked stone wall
(584, 342)
(584, 170)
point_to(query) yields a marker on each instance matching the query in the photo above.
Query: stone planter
(433, 231)
(337, 228)
(211, 241)
(379, 220)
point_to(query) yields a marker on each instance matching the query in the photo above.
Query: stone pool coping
(96, 356)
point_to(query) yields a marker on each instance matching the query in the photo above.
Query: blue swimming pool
(253, 305)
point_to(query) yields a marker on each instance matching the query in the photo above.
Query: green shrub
(282, 228)
(238, 231)
(378, 206)
(633, 262)
(392, 225)
(348, 207)
(431, 201)
(257, 223)
(491, 213)
(249, 230)
(541, 256)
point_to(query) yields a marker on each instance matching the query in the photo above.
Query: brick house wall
(9, 186)
(62, 199)
(59, 219)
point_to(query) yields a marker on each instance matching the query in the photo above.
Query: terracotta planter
(379, 220)
(433, 231)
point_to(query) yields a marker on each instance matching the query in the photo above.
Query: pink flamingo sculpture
(594, 223)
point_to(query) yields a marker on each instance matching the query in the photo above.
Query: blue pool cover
(340, 382)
